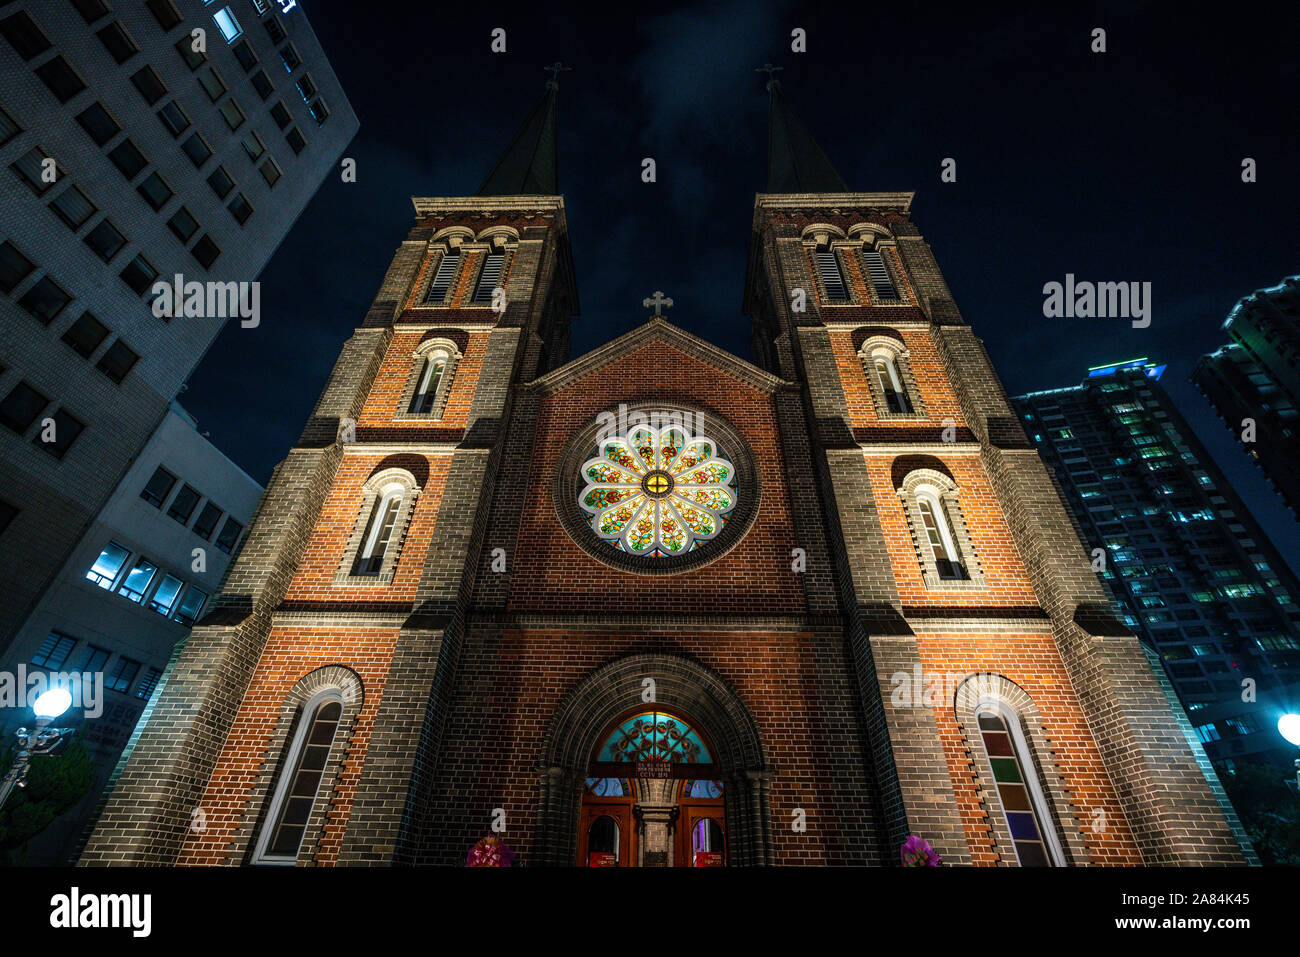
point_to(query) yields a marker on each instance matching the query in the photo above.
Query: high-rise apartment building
(1254, 383)
(138, 141)
(1190, 570)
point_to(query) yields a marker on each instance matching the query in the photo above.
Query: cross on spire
(659, 301)
(555, 69)
(771, 72)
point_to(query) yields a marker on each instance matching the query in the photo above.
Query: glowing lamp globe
(1289, 727)
(52, 703)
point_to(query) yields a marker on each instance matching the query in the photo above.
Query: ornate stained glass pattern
(658, 492)
(702, 789)
(655, 736)
(609, 787)
(1017, 802)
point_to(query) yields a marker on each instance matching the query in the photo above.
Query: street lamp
(52, 703)
(42, 739)
(1289, 727)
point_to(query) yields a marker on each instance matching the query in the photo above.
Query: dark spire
(795, 163)
(528, 166)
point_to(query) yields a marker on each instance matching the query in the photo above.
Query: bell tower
(344, 608)
(982, 639)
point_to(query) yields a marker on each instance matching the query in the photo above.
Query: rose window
(658, 492)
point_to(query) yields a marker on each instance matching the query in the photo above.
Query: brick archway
(680, 684)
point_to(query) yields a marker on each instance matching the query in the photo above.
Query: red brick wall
(795, 686)
(1008, 582)
(291, 653)
(1032, 662)
(395, 372)
(936, 392)
(550, 573)
(314, 581)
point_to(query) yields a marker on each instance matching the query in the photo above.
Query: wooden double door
(607, 834)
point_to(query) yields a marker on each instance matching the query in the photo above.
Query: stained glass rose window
(658, 492)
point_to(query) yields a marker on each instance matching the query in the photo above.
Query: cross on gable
(658, 301)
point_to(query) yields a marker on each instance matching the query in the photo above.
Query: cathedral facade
(658, 605)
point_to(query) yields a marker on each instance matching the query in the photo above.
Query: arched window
(943, 544)
(388, 499)
(431, 377)
(891, 386)
(433, 372)
(1019, 792)
(603, 838)
(706, 838)
(300, 777)
(654, 736)
(379, 533)
(939, 535)
(885, 360)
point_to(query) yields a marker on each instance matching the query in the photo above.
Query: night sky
(1122, 166)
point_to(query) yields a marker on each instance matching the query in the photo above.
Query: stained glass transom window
(659, 492)
(655, 736)
(702, 789)
(609, 787)
(1013, 789)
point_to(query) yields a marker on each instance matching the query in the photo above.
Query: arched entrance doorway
(653, 796)
(599, 704)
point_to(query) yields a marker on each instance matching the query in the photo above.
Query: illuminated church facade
(658, 605)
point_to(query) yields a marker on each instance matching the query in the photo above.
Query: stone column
(656, 820)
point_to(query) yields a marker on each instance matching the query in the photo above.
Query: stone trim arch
(510, 235)
(451, 236)
(868, 234)
(948, 493)
(822, 234)
(429, 345)
(352, 692)
(892, 344)
(991, 689)
(444, 241)
(680, 684)
(371, 492)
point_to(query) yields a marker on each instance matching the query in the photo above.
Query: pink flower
(489, 852)
(917, 852)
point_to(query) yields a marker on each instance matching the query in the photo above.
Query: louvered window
(879, 275)
(832, 279)
(490, 277)
(440, 288)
